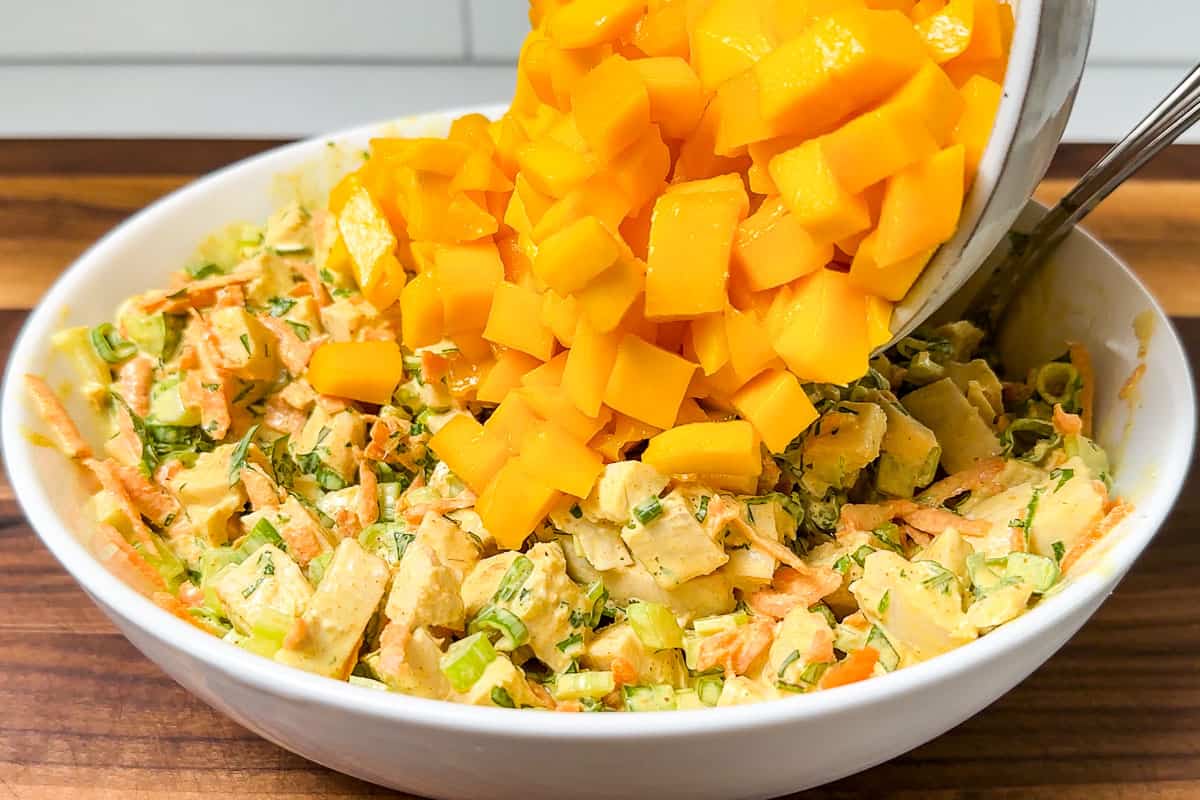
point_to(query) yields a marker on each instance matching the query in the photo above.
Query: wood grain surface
(1115, 714)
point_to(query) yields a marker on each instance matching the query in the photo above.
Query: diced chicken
(333, 440)
(548, 603)
(802, 639)
(268, 580)
(346, 317)
(410, 662)
(840, 444)
(620, 487)
(673, 546)
(325, 639)
(208, 500)
(964, 436)
(999, 605)
(617, 647)
(480, 584)
(425, 592)
(740, 690)
(839, 555)
(600, 543)
(919, 610)
(246, 347)
(453, 546)
(296, 525)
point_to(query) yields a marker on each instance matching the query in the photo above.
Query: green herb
(888, 535)
(884, 602)
(329, 479)
(1062, 475)
(791, 658)
(1060, 550)
(596, 597)
(941, 579)
(300, 329)
(243, 392)
(198, 271)
(508, 624)
(245, 340)
(278, 306)
(238, 459)
(1026, 524)
(518, 572)
(265, 569)
(842, 565)
(576, 511)
(109, 345)
(648, 510)
(282, 463)
(569, 642)
(502, 698)
(327, 276)
(860, 555)
(702, 509)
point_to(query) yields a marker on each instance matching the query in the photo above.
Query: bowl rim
(132, 608)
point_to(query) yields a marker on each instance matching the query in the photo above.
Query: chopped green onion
(1058, 383)
(300, 329)
(702, 508)
(791, 658)
(518, 572)
(466, 659)
(198, 271)
(889, 659)
(109, 345)
(648, 510)
(571, 643)
(655, 625)
(708, 688)
(1037, 571)
(1060, 550)
(1062, 475)
(278, 306)
(584, 684)
(659, 697)
(860, 555)
(842, 565)
(513, 632)
(237, 459)
(502, 698)
(262, 533)
(595, 597)
(576, 511)
(826, 612)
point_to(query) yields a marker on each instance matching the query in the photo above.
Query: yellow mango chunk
(552, 403)
(426, 154)
(647, 382)
(874, 146)
(771, 248)
(559, 460)
(512, 420)
(548, 374)
(988, 35)
(931, 98)
(697, 153)
(947, 33)
(823, 335)
(676, 96)
(740, 121)
(663, 31)
(364, 371)
(791, 17)
(974, 129)
(729, 448)
(514, 504)
(584, 23)
(420, 312)
(480, 174)
(611, 107)
(731, 186)
(561, 315)
(515, 320)
(371, 244)
(568, 67)
(921, 207)
(690, 411)
(691, 237)
(435, 214)
(815, 197)
(727, 38)
(879, 321)
(571, 258)
(891, 281)
(589, 363)
(709, 342)
(598, 197)
(840, 64)
(776, 405)
(606, 300)
(467, 275)
(504, 375)
(469, 451)
(553, 169)
(750, 350)
(641, 169)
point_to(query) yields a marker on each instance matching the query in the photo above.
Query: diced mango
(567, 68)
(589, 363)
(598, 197)
(750, 350)
(647, 382)
(947, 33)
(559, 460)
(420, 312)
(553, 169)
(731, 186)
(823, 336)
(730, 448)
(511, 421)
(874, 146)
(371, 244)
(426, 154)
(697, 154)
(514, 504)
(561, 315)
(772, 248)
(515, 320)
(740, 121)
(611, 107)
(436, 214)
(467, 275)
(988, 33)
(548, 374)
(364, 371)
(815, 197)
(606, 300)
(504, 375)
(515, 251)
(690, 411)
(891, 281)
(691, 237)
(776, 405)
(469, 451)
(974, 129)
(663, 31)
(840, 64)
(571, 258)
(791, 17)
(551, 403)
(676, 97)
(584, 23)
(709, 342)
(931, 98)
(727, 38)
(921, 207)
(879, 321)
(641, 169)
(480, 173)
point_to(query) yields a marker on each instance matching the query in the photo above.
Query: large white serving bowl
(445, 750)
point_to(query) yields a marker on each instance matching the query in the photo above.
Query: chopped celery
(389, 496)
(167, 406)
(262, 533)
(691, 648)
(512, 630)
(983, 578)
(659, 697)
(826, 612)
(707, 626)
(848, 638)
(708, 689)
(889, 659)
(268, 632)
(317, 567)
(1038, 571)
(157, 335)
(574, 685)
(466, 659)
(655, 625)
(388, 540)
(1058, 383)
(212, 562)
(1078, 445)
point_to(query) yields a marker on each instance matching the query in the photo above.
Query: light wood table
(1116, 714)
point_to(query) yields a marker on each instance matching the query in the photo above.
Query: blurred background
(262, 69)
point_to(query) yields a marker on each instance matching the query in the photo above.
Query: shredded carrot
(855, 517)
(153, 501)
(624, 672)
(294, 352)
(820, 651)
(260, 489)
(1065, 423)
(106, 472)
(368, 494)
(124, 561)
(133, 383)
(1097, 532)
(1081, 360)
(70, 441)
(735, 650)
(792, 588)
(858, 666)
(983, 474)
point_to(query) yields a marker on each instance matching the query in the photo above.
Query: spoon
(985, 298)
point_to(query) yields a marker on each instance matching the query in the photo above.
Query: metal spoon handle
(1177, 112)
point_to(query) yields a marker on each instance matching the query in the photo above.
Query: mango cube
(772, 248)
(750, 349)
(776, 405)
(921, 207)
(515, 320)
(611, 107)
(891, 281)
(571, 258)
(552, 403)
(504, 375)
(589, 363)
(467, 276)
(982, 98)
(691, 237)
(364, 371)
(729, 448)
(647, 382)
(585, 23)
(814, 195)
(676, 96)
(371, 244)
(727, 38)
(553, 169)
(514, 504)
(561, 315)
(947, 33)
(874, 146)
(879, 319)
(420, 312)
(511, 421)
(608, 298)
(559, 460)
(931, 98)
(823, 334)
(469, 452)
(709, 342)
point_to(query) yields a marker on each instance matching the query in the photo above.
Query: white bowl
(446, 750)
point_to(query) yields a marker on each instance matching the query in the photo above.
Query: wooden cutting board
(1116, 714)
